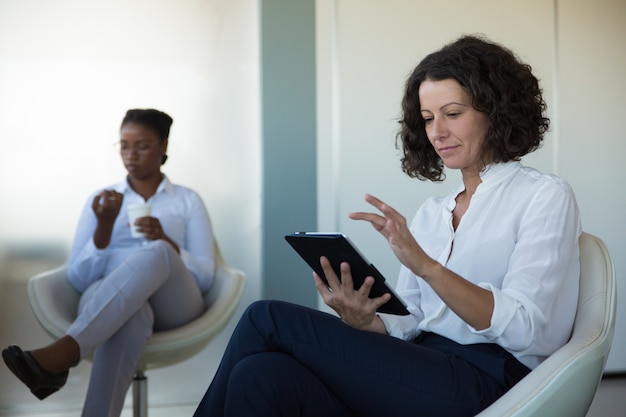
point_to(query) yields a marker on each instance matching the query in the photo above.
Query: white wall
(591, 90)
(366, 49)
(69, 70)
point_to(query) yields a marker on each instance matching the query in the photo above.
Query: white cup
(136, 211)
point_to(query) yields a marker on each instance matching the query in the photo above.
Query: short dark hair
(498, 83)
(156, 120)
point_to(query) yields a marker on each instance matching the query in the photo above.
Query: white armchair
(564, 384)
(55, 303)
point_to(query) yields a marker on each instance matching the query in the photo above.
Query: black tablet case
(338, 248)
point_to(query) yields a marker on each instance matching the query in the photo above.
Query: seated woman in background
(130, 286)
(489, 272)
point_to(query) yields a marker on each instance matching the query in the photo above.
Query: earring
(164, 159)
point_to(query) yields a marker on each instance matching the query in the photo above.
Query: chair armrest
(221, 301)
(54, 301)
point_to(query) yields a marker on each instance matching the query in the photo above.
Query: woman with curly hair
(489, 272)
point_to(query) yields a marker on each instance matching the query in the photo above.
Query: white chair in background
(55, 303)
(564, 384)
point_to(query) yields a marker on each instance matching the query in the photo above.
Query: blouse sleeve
(198, 252)
(86, 263)
(541, 284)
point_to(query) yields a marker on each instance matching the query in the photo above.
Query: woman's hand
(392, 225)
(472, 303)
(354, 307)
(151, 229)
(106, 207)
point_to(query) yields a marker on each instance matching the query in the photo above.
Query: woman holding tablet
(489, 272)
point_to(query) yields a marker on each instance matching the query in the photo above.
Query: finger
(374, 201)
(110, 199)
(321, 286)
(145, 221)
(149, 232)
(148, 225)
(379, 301)
(378, 222)
(366, 288)
(391, 213)
(346, 277)
(386, 209)
(116, 199)
(329, 273)
(369, 217)
(324, 291)
(365, 291)
(156, 226)
(96, 201)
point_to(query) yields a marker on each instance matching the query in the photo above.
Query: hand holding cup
(136, 214)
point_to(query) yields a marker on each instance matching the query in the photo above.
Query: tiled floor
(18, 325)
(610, 400)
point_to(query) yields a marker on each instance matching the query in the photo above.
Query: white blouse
(519, 239)
(183, 217)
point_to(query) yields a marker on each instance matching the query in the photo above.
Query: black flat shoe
(41, 382)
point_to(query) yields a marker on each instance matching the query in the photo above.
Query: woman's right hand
(393, 226)
(106, 206)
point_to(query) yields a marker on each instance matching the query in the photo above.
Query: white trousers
(151, 289)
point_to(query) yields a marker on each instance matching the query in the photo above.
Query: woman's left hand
(151, 229)
(354, 307)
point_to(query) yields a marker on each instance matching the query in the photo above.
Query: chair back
(566, 382)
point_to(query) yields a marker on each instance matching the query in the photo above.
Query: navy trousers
(288, 360)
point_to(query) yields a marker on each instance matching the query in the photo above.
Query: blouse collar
(165, 186)
(494, 174)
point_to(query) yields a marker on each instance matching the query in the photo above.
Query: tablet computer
(338, 248)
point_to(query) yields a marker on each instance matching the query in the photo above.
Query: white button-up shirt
(518, 239)
(183, 217)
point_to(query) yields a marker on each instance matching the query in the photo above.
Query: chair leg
(140, 395)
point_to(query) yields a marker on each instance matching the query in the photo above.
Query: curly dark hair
(498, 83)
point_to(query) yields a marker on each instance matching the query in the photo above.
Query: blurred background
(69, 70)
(285, 114)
